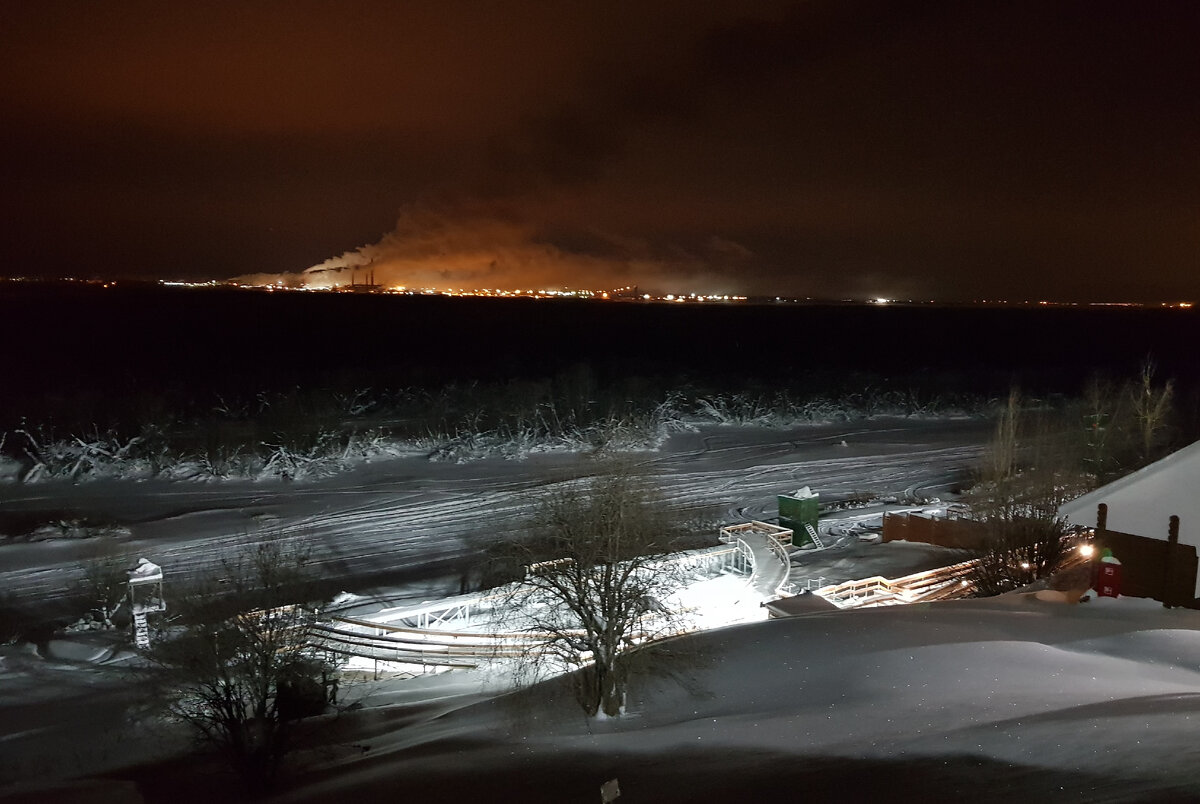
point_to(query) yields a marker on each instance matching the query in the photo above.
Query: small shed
(799, 513)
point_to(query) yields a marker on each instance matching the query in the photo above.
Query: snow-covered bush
(305, 433)
(92, 455)
(241, 671)
(783, 408)
(333, 452)
(71, 528)
(553, 429)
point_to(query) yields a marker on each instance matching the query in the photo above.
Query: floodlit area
(495, 636)
(721, 601)
(470, 631)
(726, 585)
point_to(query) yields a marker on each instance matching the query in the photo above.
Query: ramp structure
(460, 631)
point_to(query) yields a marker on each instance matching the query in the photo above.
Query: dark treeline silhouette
(82, 355)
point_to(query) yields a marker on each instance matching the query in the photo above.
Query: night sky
(953, 150)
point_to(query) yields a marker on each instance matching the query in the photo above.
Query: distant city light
(630, 293)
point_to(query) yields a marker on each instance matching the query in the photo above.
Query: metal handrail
(420, 645)
(779, 550)
(747, 554)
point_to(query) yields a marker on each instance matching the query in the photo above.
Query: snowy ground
(983, 698)
(406, 519)
(997, 700)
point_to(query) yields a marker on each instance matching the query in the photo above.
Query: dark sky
(936, 150)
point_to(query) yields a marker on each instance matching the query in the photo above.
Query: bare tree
(994, 493)
(1102, 410)
(1018, 552)
(595, 582)
(1032, 467)
(1002, 452)
(104, 584)
(17, 618)
(1151, 407)
(241, 671)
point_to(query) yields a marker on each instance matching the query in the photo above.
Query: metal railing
(943, 583)
(779, 550)
(420, 635)
(744, 560)
(731, 532)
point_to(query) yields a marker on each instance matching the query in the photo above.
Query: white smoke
(473, 250)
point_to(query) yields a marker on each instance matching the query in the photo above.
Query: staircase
(141, 632)
(812, 534)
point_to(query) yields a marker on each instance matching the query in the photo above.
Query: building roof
(146, 571)
(803, 603)
(1142, 503)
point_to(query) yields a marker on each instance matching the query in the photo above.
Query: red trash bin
(1108, 577)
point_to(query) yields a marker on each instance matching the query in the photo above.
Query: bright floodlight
(1086, 550)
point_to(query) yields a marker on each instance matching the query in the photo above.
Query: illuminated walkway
(462, 631)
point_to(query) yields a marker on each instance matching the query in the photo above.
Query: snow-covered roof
(146, 571)
(803, 603)
(1142, 503)
(804, 493)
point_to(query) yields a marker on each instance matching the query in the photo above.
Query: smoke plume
(471, 250)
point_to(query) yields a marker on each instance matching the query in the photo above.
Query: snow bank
(79, 650)
(1071, 689)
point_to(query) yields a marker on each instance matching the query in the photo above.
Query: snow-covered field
(404, 519)
(997, 700)
(990, 699)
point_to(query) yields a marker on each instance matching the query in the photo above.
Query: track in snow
(408, 518)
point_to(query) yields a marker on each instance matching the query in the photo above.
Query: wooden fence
(1153, 568)
(1160, 569)
(959, 533)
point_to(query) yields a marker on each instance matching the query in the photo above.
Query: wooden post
(1101, 517)
(1168, 576)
